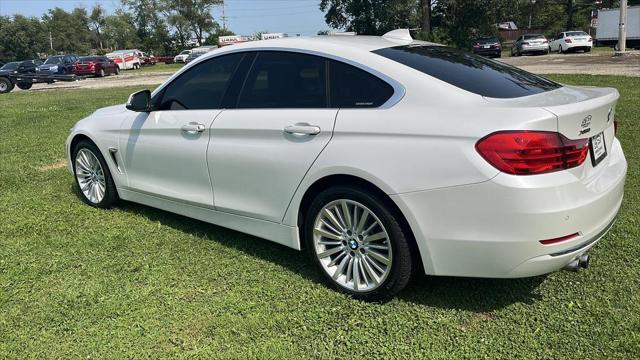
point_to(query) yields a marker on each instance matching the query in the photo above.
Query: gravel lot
(580, 63)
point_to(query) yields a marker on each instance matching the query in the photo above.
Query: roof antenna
(398, 35)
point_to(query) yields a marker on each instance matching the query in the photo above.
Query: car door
(164, 151)
(261, 148)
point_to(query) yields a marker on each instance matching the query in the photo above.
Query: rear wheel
(101, 73)
(357, 243)
(25, 86)
(5, 85)
(117, 71)
(92, 176)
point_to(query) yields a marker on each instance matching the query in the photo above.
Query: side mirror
(140, 101)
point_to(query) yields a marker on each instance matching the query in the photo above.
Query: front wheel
(357, 243)
(93, 177)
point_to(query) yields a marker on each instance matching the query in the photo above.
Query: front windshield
(10, 66)
(54, 60)
(185, 52)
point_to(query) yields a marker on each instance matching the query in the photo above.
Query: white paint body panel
(468, 219)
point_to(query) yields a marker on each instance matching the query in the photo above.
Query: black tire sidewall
(9, 84)
(401, 269)
(111, 194)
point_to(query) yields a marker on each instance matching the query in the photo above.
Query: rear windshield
(87, 59)
(487, 39)
(533, 37)
(469, 72)
(577, 33)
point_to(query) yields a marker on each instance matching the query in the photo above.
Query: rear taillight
(590, 39)
(568, 41)
(532, 152)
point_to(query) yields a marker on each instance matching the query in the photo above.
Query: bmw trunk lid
(582, 112)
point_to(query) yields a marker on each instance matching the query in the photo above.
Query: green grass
(156, 68)
(138, 282)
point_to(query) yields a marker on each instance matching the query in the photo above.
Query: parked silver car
(530, 44)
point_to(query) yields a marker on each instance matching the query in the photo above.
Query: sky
(244, 17)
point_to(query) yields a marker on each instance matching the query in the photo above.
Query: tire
(386, 261)
(5, 85)
(560, 49)
(101, 73)
(81, 155)
(25, 86)
(117, 71)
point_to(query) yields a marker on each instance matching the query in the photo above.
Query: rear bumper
(578, 46)
(493, 229)
(84, 72)
(487, 52)
(534, 48)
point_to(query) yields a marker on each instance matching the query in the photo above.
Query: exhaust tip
(583, 261)
(574, 266)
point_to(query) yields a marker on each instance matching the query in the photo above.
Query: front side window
(201, 87)
(469, 72)
(355, 88)
(285, 80)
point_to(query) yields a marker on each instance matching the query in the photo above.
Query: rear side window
(469, 72)
(285, 80)
(201, 87)
(354, 88)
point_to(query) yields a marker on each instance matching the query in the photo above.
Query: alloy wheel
(352, 245)
(90, 176)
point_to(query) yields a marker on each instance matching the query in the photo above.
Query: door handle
(302, 129)
(193, 128)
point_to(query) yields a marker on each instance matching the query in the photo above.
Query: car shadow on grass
(470, 294)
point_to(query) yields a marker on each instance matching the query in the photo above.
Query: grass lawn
(156, 68)
(138, 282)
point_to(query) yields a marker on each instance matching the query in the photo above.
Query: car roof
(337, 45)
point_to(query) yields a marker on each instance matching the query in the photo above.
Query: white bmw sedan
(381, 156)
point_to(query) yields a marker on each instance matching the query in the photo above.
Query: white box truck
(607, 30)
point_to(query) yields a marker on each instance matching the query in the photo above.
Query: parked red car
(95, 65)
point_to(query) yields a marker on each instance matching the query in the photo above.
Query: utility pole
(622, 35)
(51, 41)
(224, 17)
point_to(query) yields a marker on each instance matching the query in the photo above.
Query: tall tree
(120, 31)
(70, 31)
(97, 19)
(198, 14)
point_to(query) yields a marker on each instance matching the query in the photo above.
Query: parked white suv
(381, 156)
(571, 40)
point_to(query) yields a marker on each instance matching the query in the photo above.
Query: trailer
(25, 81)
(607, 27)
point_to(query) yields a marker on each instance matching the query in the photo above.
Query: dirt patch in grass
(60, 164)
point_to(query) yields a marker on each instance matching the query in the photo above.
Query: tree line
(162, 27)
(457, 22)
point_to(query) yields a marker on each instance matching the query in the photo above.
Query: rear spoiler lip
(565, 95)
